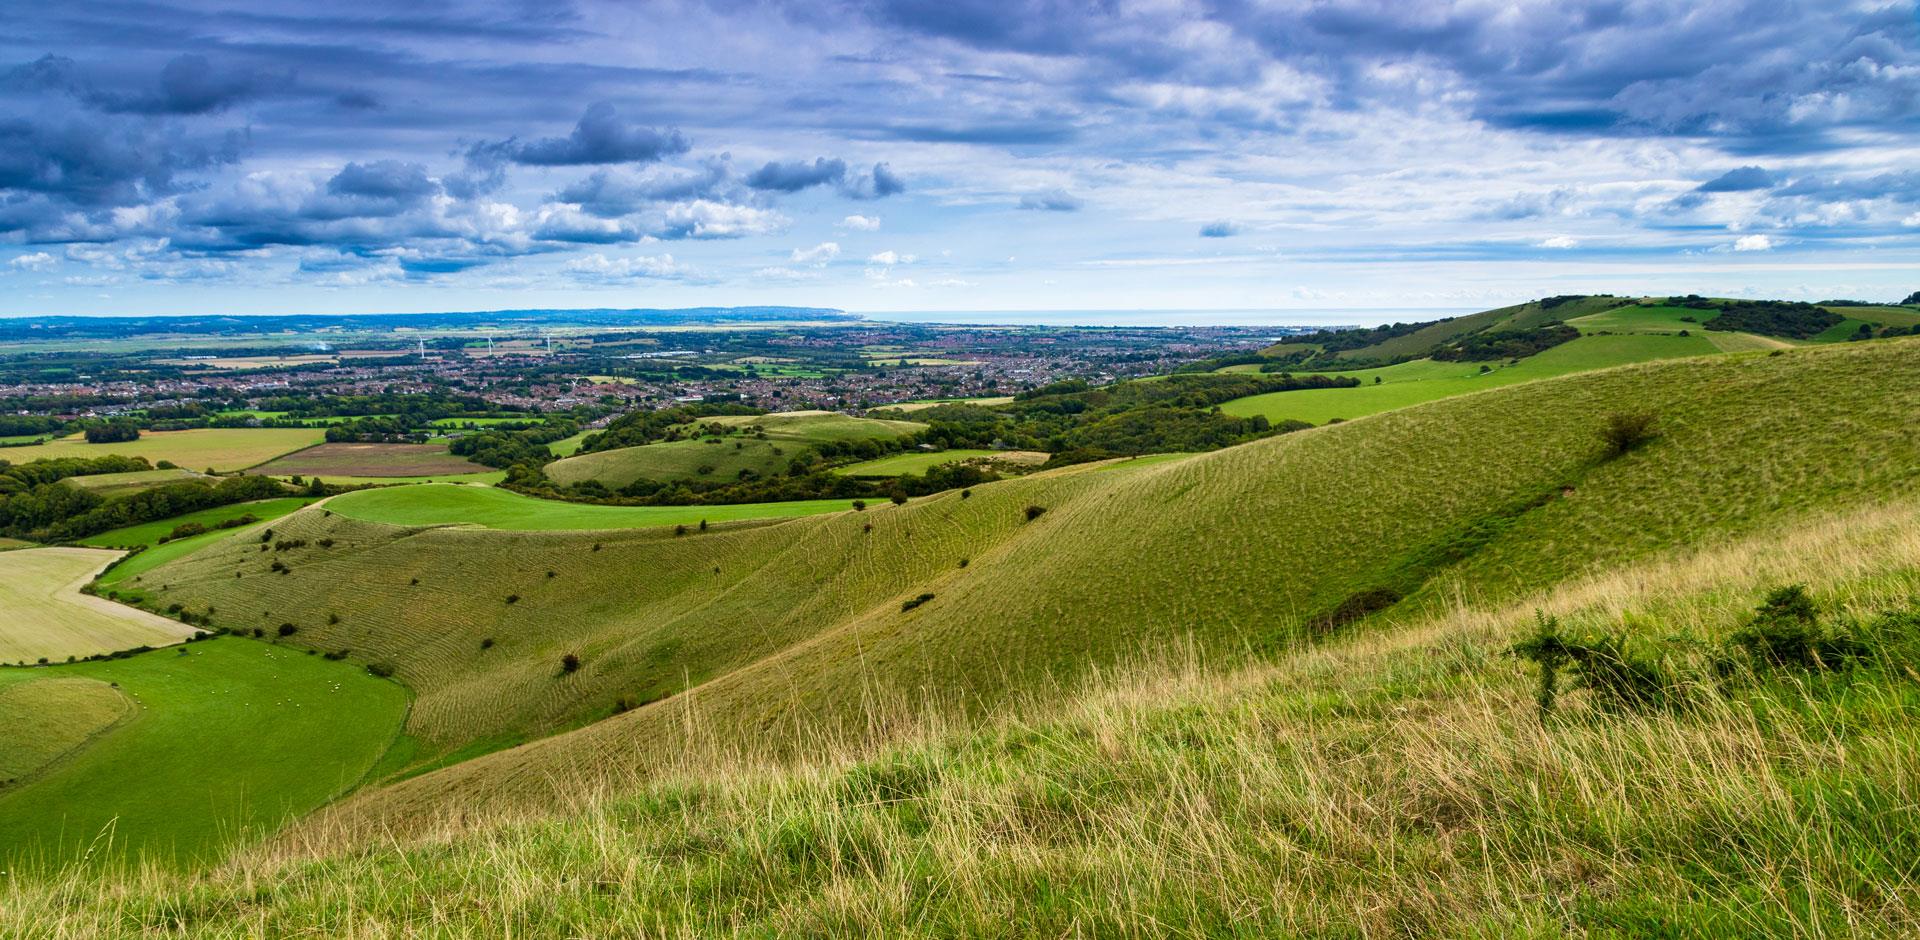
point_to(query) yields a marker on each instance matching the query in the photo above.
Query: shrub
(1626, 430)
(1035, 512)
(1785, 630)
(513, 598)
(1620, 676)
(336, 655)
(915, 602)
(287, 629)
(383, 670)
(899, 499)
(966, 494)
(859, 505)
(679, 530)
(487, 643)
(333, 619)
(570, 663)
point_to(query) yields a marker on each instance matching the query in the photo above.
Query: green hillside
(804, 625)
(1393, 783)
(722, 448)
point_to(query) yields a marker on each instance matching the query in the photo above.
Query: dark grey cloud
(1738, 180)
(190, 84)
(614, 193)
(602, 136)
(384, 179)
(1052, 200)
(796, 175)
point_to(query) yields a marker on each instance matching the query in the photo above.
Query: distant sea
(1352, 316)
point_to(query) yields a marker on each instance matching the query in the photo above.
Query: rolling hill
(785, 632)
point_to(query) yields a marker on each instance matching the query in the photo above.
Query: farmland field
(740, 448)
(121, 484)
(818, 426)
(337, 459)
(449, 504)
(231, 737)
(44, 720)
(220, 448)
(912, 406)
(568, 446)
(44, 616)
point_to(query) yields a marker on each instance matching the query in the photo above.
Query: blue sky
(171, 156)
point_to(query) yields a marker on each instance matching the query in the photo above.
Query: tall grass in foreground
(1398, 783)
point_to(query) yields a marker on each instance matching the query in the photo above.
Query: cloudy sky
(180, 156)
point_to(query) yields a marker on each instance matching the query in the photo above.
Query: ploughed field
(347, 459)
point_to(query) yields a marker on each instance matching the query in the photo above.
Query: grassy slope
(1422, 380)
(220, 448)
(801, 626)
(231, 736)
(786, 434)
(1393, 784)
(133, 570)
(910, 463)
(44, 720)
(445, 504)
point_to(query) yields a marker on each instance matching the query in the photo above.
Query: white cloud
(704, 218)
(818, 254)
(1560, 241)
(1753, 243)
(38, 261)
(599, 267)
(861, 223)
(890, 257)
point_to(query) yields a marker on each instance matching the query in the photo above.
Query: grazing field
(966, 601)
(43, 615)
(134, 481)
(44, 720)
(448, 504)
(338, 459)
(920, 462)
(759, 444)
(231, 738)
(222, 449)
(912, 406)
(149, 534)
(1424, 380)
(568, 446)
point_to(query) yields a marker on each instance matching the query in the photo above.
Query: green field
(231, 737)
(726, 446)
(568, 446)
(134, 481)
(45, 720)
(149, 533)
(1423, 380)
(911, 463)
(447, 504)
(222, 449)
(44, 617)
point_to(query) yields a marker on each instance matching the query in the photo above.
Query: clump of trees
(1506, 344)
(1774, 318)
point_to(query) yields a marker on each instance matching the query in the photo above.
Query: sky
(178, 156)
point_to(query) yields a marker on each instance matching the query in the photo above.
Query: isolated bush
(333, 619)
(966, 494)
(383, 670)
(1035, 512)
(679, 530)
(1785, 631)
(1626, 430)
(899, 499)
(513, 598)
(915, 602)
(287, 629)
(570, 663)
(859, 505)
(487, 643)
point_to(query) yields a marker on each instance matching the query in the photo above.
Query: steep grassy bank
(1393, 783)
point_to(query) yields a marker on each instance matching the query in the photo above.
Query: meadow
(44, 617)
(911, 463)
(761, 444)
(148, 534)
(133, 481)
(221, 449)
(357, 460)
(968, 600)
(450, 504)
(231, 738)
(1393, 782)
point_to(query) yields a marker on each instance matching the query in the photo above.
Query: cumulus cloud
(791, 177)
(890, 257)
(35, 261)
(1052, 200)
(818, 254)
(1753, 243)
(600, 268)
(1559, 241)
(703, 218)
(861, 223)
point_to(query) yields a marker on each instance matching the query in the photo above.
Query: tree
(1913, 299)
